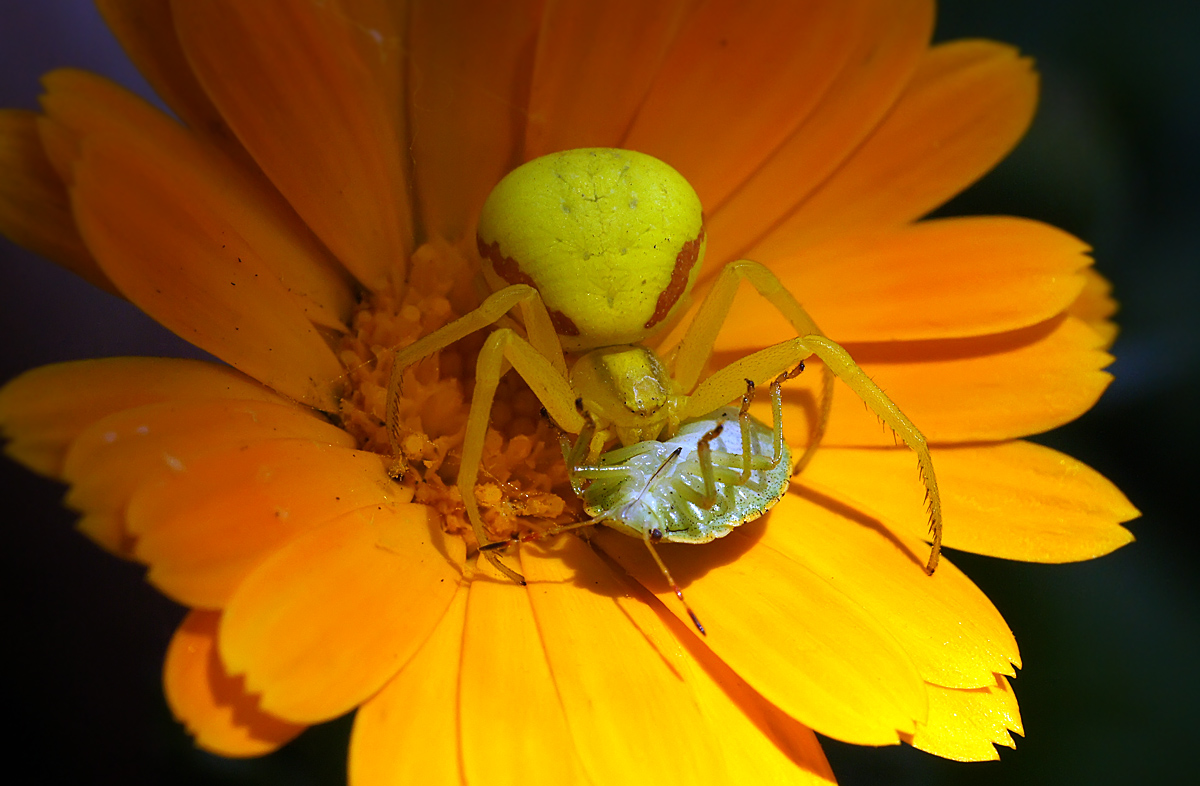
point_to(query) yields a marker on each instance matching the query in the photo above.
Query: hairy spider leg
(697, 343)
(724, 384)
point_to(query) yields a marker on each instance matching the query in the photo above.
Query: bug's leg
(574, 453)
(704, 456)
(744, 423)
(777, 410)
(551, 388)
(537, 324)
(697, 343)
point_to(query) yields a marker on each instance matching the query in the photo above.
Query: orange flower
(283, 229)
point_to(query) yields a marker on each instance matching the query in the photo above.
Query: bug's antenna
(651, 535)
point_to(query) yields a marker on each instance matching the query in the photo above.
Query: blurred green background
(1108, 690)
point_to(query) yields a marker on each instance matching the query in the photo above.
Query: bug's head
(613, 240)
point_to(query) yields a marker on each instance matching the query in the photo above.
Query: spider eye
(613, 240)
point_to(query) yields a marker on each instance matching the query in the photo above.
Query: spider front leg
(539, 360)
(541, 333)
(547, 383)
(701, 335)
(726, 383)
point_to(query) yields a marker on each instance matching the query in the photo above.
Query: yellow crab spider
(597, 250)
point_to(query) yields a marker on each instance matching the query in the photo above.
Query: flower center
(523, 482)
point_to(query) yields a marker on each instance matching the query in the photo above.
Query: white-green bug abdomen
(670, 503)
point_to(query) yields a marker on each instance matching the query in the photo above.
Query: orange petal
(959, 390)
(213, 706)
(892, 38)
(1014, 500)
(740, 78)
(35, 211)
(329, 618)
(249, 220)
(806, 647)
(574, 101)
(628, 684)
(965, 108)
(948, 278)
(504, 665)
(408, 732)
(146, 30)
(178, 241)
(146, 445)
(1096, 306)
(205, 526)
(314, 94)
(44, 410)
(966, 725)
(468, 96)
(953, 633)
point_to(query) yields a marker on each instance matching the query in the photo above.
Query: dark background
(1109, 686)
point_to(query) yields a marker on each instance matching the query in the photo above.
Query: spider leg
(840, 362)
(725, 383)
(537, 324)
(547, 383)
(697, 343)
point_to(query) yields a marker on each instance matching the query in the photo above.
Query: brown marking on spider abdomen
(510, 270)
(684, 262)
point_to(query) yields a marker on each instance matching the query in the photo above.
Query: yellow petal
(892, 38)
(639, 691)
(35, 211)
(504, 669)
(145, 445)
(44, 410)
(329, 618)
(468, 95)
(953, 633)
(208, 523)
(966, 725)
(1014, 500)
(408, 732)
(314, 94)
(806, 647)
(740, 78)
(574, 101)
(146, 30)
(958, 390)
(965, 108)
(948, 278)
(213, 706)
